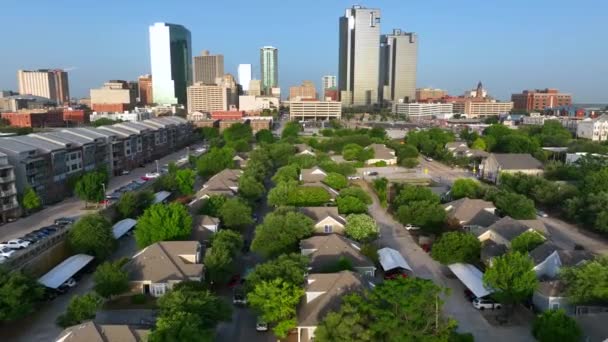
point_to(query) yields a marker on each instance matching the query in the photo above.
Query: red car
(234, 281)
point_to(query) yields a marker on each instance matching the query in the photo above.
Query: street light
(105, 200)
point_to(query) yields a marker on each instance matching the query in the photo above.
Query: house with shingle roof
(472, 213)
(506, 229)
(382, 154)
(158, 267)
(303, 149)
(94, 332)
(225, 183)
(497, 163)
(326, 251)
(313, 175)
(326, 219)
(323, 294)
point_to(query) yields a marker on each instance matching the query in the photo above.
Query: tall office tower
(255, 88)
(145, 89)
(359, 60)
(398, 56)
(207, 98)
(208, 67)
(244, 74)
(52, 84)
(269, 66)
(328, 82)
(171, 61)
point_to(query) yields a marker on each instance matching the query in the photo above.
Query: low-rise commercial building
(481, 109)
(315, 110)
(421, 111)
(133, 116)
(114, 96)
(35, 119)
(255, 104)
(430, 94)
(593, 129)
(540, 99)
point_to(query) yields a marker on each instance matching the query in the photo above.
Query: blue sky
(508, 45)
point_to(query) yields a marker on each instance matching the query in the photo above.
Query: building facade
(35, 119)
(207, 98)
(430, 94)
(244, 75)
(306, 91)
(255, 88)
(255, 104)
(314, 110)
(359, 56)
(421, 111)
(114, 96)
(132, 116)
(540, 99)
(144, 86)
(208, 67)
(398, 60)
(9, 205)
(269, 67)
(52, 84)
(171, 61)
(329, 82)
(481, 109)
(593, 129)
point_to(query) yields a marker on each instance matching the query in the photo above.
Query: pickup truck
(15, 244)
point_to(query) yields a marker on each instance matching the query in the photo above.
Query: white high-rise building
(398, 58)
(328, 82)
(171, 63)
(244, 75)
(269, 66)
(359, 61)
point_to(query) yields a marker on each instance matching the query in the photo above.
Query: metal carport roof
(391, 259)
(471, 277)
(122, 227)
(161, 196)
(65, 270)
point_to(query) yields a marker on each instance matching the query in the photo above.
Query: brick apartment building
(540, 99)
(35, 119)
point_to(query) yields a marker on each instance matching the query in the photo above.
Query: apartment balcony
(10, 206)
(7, 193)
(7, 179)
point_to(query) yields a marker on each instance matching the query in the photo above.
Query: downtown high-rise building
(398, 59)
(359, 56)
(269, 67)
(208, 67)
(244, 76)
(144, 89)
(328, 82)
(171, 63)
(52, 84)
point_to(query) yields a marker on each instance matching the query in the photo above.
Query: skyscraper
(398, 57)
(145, 89)
(269, 66)
(171, 61)
(328, 82)
(208, 67)
(359, 60)
(52, 84)
(244, 75)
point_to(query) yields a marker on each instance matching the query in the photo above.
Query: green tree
(351, 205)
(381, 187)
(351, 151)
(279, 153)
(264, 136)
(104, 122)
(357, 193)
(214, 161)
(31, 200)
(517, 206)
(361, 227)
(280, 194)
(185, 181)
(132, 204)
(228, 240)
(479, 144)
(238, 131)
(92, 234)
(286, 173)
(209, 133)
(211, 206)
(336, 180)
(219, 264)
(163, 222)
(110, 279)
(276, 301)
(291, 130)
(235, 214)
(89, 187)
(455, 247)
(250, 188)
(425, 214)
(465, 187)
(180, 326)
(80, 309)
(280, 233)
(412, 193)
(527, 241)
(290, 268)
(512, 278)
(587, 283)
(19, 294)
(308, 196)
(556, 325)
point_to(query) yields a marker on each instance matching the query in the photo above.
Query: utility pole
(105, 200)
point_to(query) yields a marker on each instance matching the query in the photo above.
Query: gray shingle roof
(312, 175)
(93, 332)
(467, 210)
(329, 249)
(517, 161)
(162, 261)
(491, 249)
(319, 213)
(542, 252)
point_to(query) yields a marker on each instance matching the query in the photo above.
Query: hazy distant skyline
(509, 46)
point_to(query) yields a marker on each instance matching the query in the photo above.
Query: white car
(260, 325)
(15, 244)
(411, 227)
(354, 177)
(152, 175)
(6, 252)
(484, 303)
(428, 159)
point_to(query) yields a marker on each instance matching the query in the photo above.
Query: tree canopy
(19, 294)
(517, 206)
(280, 233)
(235, 214)
(512, 277)
(133, 204)
(290, 268)
(291, 130)
(264, 136)
(110, 278)
(211, 206)
(412, 193)
(336, 181)
(92, 234)
(556, 325)
(427, 215)
(250, 188)
(361, 227)
(163, 222)
(31, 200)
(90, 188)
(527, 241)
(80, 309)
(587, 283)
(350, 205)
(185, 181)
(286, 173)
(455, 247)
(465, 187)
(215, 161)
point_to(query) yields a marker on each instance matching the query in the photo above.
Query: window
(555, 306)
(158, 290)
(328, 228)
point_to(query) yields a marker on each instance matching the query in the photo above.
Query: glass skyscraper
(269, 66)
(171, 62)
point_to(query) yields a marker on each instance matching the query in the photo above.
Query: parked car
(260, 325)
(354, 177)
(31, 238)
(125, 172)
(373, 173)
(410, 227)
(15, 244)
(541, 213)
(6, 252)
(64, 221)
(150, 175)
(238, 297)
(486, 303)
(429, 159)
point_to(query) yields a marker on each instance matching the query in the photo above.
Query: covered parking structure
(161, 197)
(391, 259)
(65, 270)
(122, 227)
(471, 277)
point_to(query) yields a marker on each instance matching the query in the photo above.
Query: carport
(161, 197)
(471, 277)
(122, 227)
(65, 270)
(391, 259)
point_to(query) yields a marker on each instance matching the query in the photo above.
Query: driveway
(393, 235)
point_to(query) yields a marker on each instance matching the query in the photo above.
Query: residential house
(95, 332)
(497, 163)
(226, 183)
(506, 229)
(325, 251)
(461, 149)
(324, 293)
(593, 129)
(240, 160)
(314, 175)
(326, 219)
(158, 267)
(210, 223)
(471, 213)
(303, 149)
(382, 154)
(203, 228)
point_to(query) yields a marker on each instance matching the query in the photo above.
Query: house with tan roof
(303, 149)
(471, 213)
(382, 154)
(497, 163)
(226, 183)
(93, 332)
(324, 293)
(326, 251)
(506, 229)
(313, 175)
(158, 267)
(326, 219)
(461, 149)
(240, 160)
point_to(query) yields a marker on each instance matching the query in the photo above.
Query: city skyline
(509, 52)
